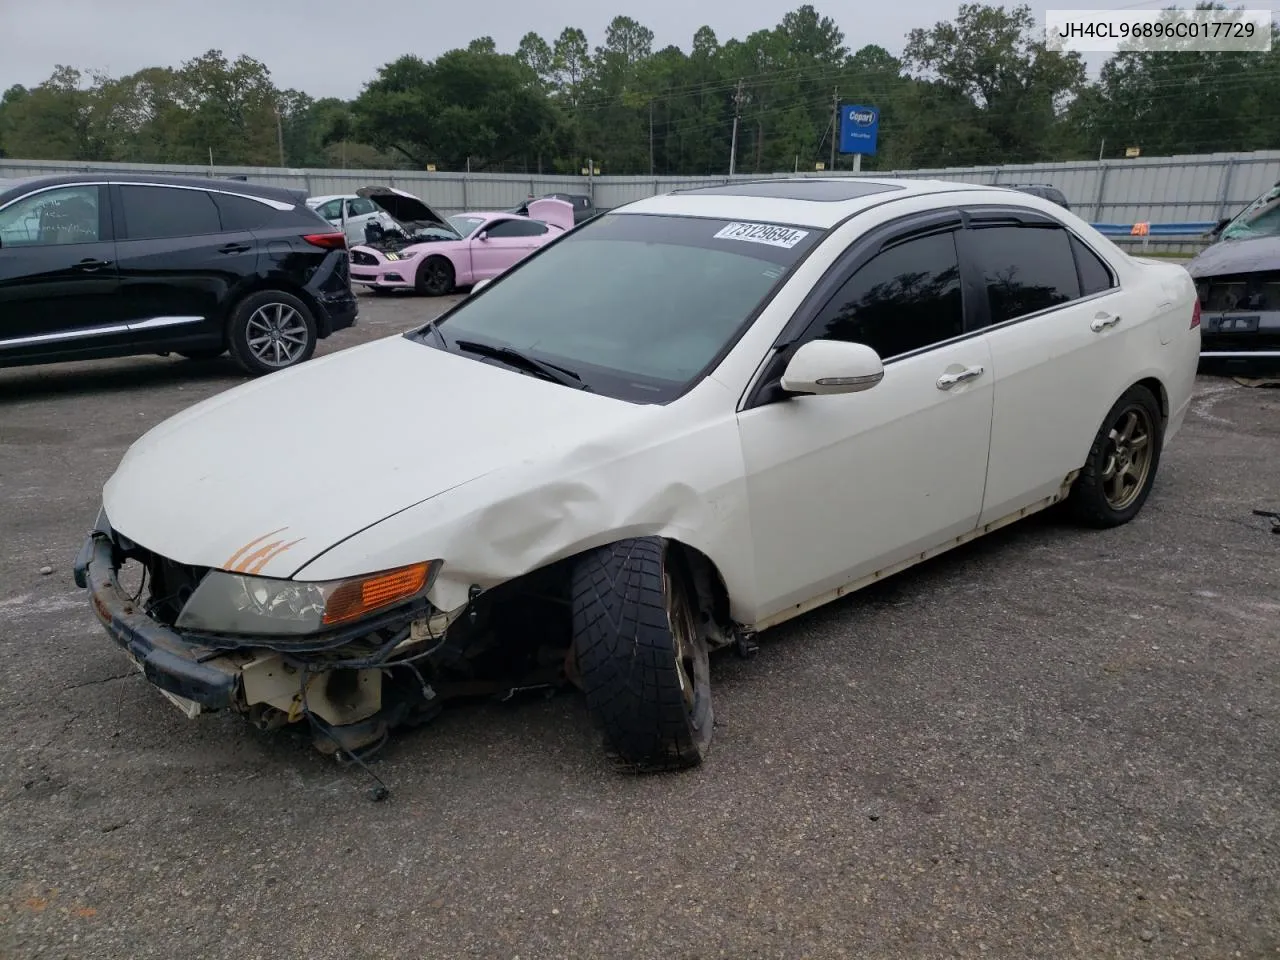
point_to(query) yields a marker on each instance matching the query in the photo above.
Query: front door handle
(1103, 320)
(234, 248)
(949, 380)
(89, 264)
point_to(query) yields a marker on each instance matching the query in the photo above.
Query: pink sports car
(434, 255)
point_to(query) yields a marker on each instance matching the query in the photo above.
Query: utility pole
(651, 138)
(737, 113)
(835, 124)
(280, 135)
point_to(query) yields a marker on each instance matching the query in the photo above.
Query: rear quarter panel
(1167, 292)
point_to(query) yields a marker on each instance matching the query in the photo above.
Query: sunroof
(822, 191)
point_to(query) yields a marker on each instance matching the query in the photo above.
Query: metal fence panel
(1154, 189)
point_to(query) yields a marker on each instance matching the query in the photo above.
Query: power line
(818, 73)
(678, 129)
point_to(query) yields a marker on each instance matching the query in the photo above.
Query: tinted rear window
(239, 213)
(1094, 275)
(152, 213)
(1027, 269)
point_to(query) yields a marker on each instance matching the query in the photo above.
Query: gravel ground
(1050, 743)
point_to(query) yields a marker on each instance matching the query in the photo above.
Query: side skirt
(822, 599)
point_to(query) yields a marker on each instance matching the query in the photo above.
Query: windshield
(465, 225)
(1260, 219)
(637, 306)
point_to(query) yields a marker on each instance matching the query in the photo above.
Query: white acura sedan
(682, 423)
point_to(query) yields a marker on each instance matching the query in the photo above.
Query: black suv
(110, 265)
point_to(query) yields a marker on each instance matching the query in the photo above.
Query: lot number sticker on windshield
(785, 237)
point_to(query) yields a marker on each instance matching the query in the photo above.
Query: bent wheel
(643, 663)
(1122, 463)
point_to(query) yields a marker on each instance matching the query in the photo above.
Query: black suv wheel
(271, 330)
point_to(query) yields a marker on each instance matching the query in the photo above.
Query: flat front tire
(640, 657)
(271, 330)
(1122, 463)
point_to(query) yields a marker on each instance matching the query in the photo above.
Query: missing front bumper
(271, 687)
(1240, 335)
(209, 679)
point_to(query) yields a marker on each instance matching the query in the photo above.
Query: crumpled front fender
(688, 487)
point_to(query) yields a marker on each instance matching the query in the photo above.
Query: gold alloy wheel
(1130, 452)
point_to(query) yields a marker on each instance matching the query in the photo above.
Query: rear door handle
(234, 248)
(89, 264)
(1103, 320)
(949, 380)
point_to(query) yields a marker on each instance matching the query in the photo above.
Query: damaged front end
(349, 661)
(411, 221)
(1238, 283)
(1240, 314)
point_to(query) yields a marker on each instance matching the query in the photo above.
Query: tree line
(979, 89)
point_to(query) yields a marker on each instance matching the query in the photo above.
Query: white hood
(267, 476)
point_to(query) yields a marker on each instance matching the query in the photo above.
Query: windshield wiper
(516, 358)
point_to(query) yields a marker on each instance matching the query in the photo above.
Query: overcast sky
(332, 47)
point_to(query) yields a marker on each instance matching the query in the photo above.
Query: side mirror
(475, 287)
(832, 366)
(482, 235)
(1219, 226)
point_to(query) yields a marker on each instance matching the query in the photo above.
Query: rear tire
(435, 277)
(640, 656)
(271, 330)
(1121, 468)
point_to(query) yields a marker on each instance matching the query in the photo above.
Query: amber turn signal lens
(358, 597)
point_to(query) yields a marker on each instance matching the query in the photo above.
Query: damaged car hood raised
(1230, 257)
(402, 207)
(267, 476)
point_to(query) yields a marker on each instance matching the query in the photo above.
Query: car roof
(818, 202)
(244, 187)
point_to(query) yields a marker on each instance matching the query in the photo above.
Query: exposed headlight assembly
(234, 603)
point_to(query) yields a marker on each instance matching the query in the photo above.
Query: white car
(353, 214)
(687, 421)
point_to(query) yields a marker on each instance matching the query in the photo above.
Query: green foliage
(978, 89)
(470, 103)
